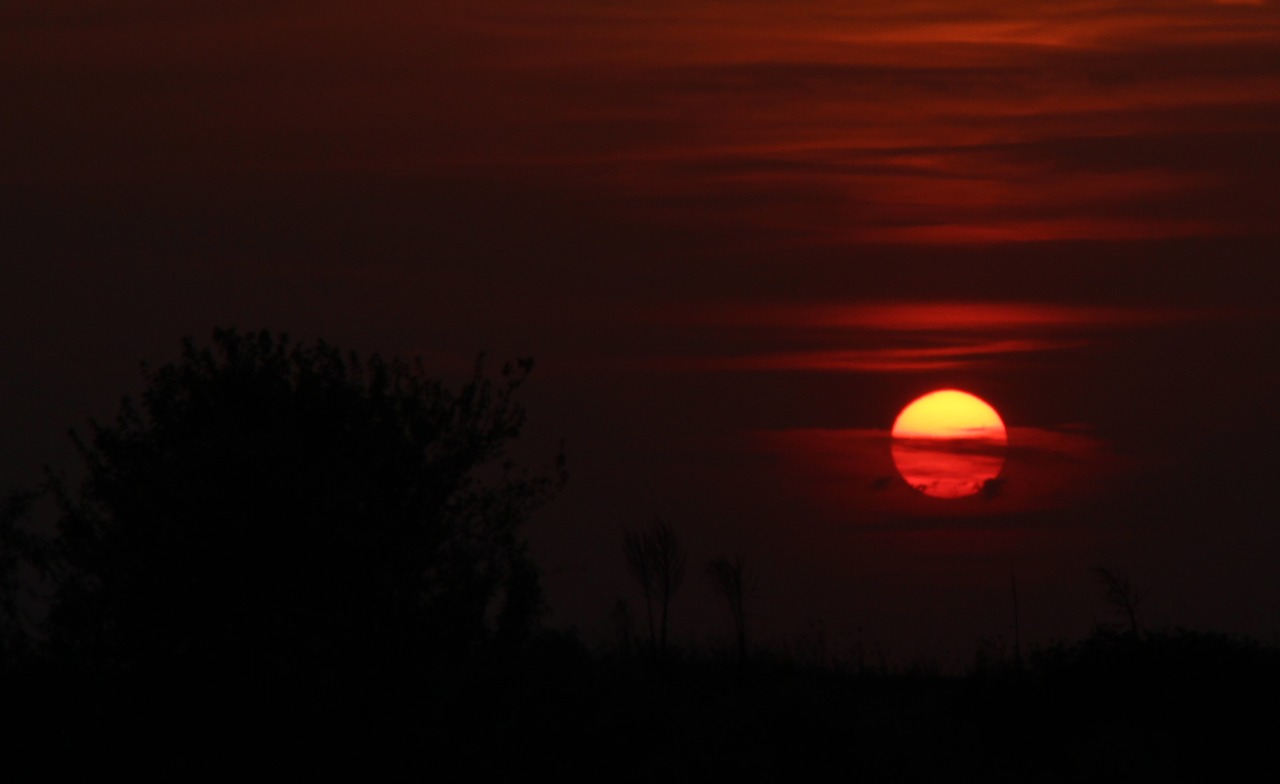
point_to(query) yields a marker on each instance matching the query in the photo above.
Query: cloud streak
(924, 123)
(904, 337)
(878, 360)
(1043, 469)
(909, 316)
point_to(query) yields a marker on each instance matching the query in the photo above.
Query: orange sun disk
(949, 444)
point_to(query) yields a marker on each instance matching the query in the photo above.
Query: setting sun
(949, 444)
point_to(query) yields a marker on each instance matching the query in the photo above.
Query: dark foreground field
(1177, 706)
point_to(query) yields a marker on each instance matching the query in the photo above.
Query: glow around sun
(949, 444)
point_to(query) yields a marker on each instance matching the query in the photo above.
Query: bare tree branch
(735, 584)
(1120, 592)
(657, 563)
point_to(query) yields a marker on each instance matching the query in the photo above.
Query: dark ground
(1171, 706)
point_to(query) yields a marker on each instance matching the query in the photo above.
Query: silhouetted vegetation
(1172, 706)
(290, 538)
(20, 551)
(656, 562)
(1120, 592)
(735, 584)
(272, 507)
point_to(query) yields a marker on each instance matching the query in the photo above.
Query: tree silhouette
(20, 550)
(280, 506)
(735, 584)
(1120, 592)
(656, 562)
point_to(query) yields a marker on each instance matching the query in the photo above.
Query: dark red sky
(737, 237)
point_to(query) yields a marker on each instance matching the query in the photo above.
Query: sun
(949, 444)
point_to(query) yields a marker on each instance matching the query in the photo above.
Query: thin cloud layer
(929, 123)
(924, 316)
(925, 123)
(909, 337)
(876, 360)
(852, 469)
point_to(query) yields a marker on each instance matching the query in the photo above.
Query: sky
(737, 238)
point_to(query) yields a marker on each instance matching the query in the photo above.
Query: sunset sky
(737, 238)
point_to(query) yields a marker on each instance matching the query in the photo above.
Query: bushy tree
(270, 504)
(20, 552)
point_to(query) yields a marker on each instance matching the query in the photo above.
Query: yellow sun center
(949, 413)
(949, 444)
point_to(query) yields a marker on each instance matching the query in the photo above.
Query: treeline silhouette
(286, 537)
(281, 514)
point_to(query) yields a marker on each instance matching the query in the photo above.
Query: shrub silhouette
(273, 506)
